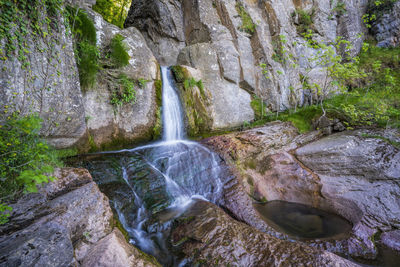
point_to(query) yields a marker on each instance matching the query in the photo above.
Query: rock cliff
(228, 40)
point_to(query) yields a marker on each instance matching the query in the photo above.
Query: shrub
(123, 92)
(113, 11)
(305, 21)
(247, 23)
(25, 158)
(118, 51)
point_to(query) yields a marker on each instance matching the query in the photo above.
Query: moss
(251, 163)
(118, 51)
(87, 55)
(157, 129)
(247, 23)
(258, 107)
(180, 74)
(119, 226)
(158, 85)
(195, 101)
(123, 91)
(305, 20)
(92, 144)
(65, 153)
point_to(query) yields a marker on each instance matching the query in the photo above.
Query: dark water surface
(303, 222)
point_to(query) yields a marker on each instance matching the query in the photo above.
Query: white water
(172, 113)
(190, 172)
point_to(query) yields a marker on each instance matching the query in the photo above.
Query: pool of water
(303, 222)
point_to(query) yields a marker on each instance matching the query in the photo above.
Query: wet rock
(358, 171)
(208, 236)
(346, 173)
(38, 245)
(59, 225)
(113, 250)
(391, 239)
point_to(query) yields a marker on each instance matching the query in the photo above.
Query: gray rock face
(229, 58)
(132, 122)
(61, 224)
(387, 28)
(229, 104)
(161, 23)
(208, 235)
(49, 86)
(113, 250)
(345, 173)
(364, 172)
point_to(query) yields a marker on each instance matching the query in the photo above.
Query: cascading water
(162, 179)
(172, 114)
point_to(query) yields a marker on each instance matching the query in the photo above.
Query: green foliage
(191, 83)
(25, 160)
(118, 51)
(123, 92)
(158, 85)
(179, 73)
(21, 18)
(247, 23)
(81, 25)
(158, 125)
(86, 52)
(142, 82)
(258, 107)
(4, 213)
(340, 8)
(113, 11)
(88, 64)
(304, 20)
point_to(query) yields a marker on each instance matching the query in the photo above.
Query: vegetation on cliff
(25, 159)
(113, 11)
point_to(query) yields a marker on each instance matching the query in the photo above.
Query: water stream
(159, 180)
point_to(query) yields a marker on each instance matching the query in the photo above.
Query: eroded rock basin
(303, 222)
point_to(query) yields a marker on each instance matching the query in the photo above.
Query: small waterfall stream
(160, 180)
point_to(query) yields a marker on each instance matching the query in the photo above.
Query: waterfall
(172, 114)
(163, 179)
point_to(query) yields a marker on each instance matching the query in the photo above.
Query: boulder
(110, 126)
(347, 173)
(358, 171)
(207, 235)
(61, 224)
(113, 250)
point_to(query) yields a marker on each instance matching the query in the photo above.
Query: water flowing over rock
(67, 223)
